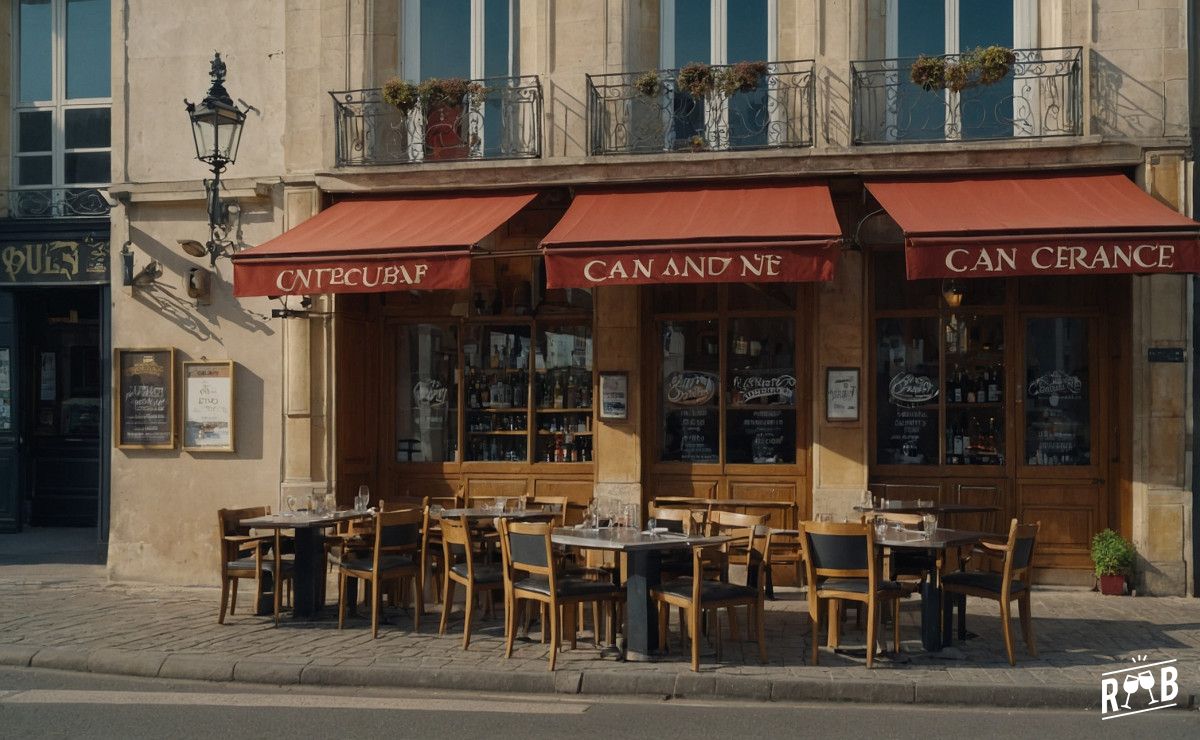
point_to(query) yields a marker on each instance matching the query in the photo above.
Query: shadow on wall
(834, 92)
(1121, 105)
(168, 296)
(562, 142)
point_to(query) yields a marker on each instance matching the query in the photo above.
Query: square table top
(303, 520)
(939, 539)
(627, 538)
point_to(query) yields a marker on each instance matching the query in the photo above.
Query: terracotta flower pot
(443, 132)
(1112, 585)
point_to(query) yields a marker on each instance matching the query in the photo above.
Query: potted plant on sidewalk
(1113, 556)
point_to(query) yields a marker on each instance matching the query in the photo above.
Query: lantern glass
(217, 131)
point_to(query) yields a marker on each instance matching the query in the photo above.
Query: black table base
(641, 614)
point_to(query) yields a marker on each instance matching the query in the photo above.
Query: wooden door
(1062, 452)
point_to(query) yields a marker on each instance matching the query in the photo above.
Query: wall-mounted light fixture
(952, 292)
(217, 132)
(292, 313)
(199, 284)
(126, 264)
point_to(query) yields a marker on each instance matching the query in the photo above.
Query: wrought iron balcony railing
(1041, 96)
(504, 121)
(79, 202)
(627, 114)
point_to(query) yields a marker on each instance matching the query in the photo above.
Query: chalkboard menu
(761, 436)
(145, 399)
(907, 390)
(691, 434)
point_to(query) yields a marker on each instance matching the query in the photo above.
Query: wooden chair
(235, 541)
(743, 528)
(458, 555)
(528, 552)
(842, 565)
(697, 593)
(554, 504)
(1013, 583)
(783, 548)
(685, 521)
(395, 555)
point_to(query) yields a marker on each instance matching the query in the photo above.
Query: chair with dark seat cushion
(395, 555)
(459, 552)
(1012, 584)
(843, 565)
(246, 555)
(533, 573)
(706, 589)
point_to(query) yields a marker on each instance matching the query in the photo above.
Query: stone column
(1162, 398)
(618, 452)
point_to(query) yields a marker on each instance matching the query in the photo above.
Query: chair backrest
(398, 531)
(684, 521)
(907, 520)
(526, 548)
(743, 528)
(553, 504)
(228, 525)
(456, 540)
(1018, 560)
(782, 545)
(839, 550)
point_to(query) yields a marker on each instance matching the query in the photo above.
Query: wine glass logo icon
(1134, 682)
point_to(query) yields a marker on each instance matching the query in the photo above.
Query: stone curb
(704, 685)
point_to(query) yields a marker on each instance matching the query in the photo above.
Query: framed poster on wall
(841, 394)
(208, 399)
(614, 395)
(144, 398)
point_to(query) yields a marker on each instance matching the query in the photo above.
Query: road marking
(285, 701)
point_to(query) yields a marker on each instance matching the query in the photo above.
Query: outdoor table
(644, 570)
(935, 615)
(787, 507)
(480, 512)
(309, 567)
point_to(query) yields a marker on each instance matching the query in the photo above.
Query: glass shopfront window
(727, 383)
(1057, 392)
(427, 395)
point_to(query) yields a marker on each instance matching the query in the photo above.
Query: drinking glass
(331, 503)
(364, 496)
(824, 517)
(880, 527)
(291, 503)
(929, 523)
(865, 500)
(651, 524)
(520, 505)
(435, 511)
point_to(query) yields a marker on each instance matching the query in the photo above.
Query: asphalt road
(36, 704)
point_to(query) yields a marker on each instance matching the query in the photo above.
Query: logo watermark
(1162, 676)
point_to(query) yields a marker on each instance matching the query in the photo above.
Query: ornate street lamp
(216, 131)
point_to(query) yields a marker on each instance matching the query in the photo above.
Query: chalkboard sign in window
(907, 387)
(690, 391)
(145, 399)
(1057, 392)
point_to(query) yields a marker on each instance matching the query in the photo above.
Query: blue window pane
(920, 29)
(34, 170)
(445, 38)
(34, 131)
(88, 128)
(88, 49)
(987, 112)
(749, 118)
(87, 167)
(693, 32)
(747, 31)
(33, 39)
(496, 22)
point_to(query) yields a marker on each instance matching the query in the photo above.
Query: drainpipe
(1193, 42)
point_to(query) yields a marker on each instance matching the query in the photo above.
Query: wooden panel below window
(689, 487)
(1070, 513)
(982, 494)
(493, 487)
(766, 491)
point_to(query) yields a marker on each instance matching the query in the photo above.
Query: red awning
(743, 233)
(1037, 224)
(376, 246)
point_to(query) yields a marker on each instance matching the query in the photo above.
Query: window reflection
(690, 414)
(426, 393)
(1057, 392)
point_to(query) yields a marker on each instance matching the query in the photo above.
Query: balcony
(629, 114)
(1040, 97)
(501, 120)
(77, 202)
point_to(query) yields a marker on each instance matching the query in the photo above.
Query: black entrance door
(63, 386)
(10, 469)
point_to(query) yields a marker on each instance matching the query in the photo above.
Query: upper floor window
(61, 109)
(935, 27)
(471, 39)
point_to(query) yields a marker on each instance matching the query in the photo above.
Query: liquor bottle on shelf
(969, 388)
(994, 386)
(558, 393)
(958, 385)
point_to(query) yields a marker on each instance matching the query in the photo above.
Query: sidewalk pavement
(69, 617)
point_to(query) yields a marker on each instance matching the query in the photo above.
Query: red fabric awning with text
(1079, 223)
(415, 242)
(741, 233)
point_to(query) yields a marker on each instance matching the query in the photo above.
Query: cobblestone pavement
(69, 616)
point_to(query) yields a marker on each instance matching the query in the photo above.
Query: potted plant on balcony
(980, 66)
(444, 100)
(401, 94)
(648, 84)
(696, 79)
(741, 77)
(1113, 556)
